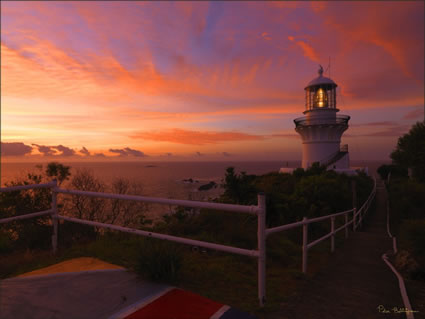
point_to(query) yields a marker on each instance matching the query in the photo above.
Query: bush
(410, 151)
(34, 233)
(160, 260)
(5, 243)
(407, 201)
(412, 240)
(395, 170)
(289, 197)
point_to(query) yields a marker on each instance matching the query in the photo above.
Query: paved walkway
(355, 282)
(90, 288)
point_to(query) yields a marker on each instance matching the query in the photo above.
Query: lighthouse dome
(321, 81)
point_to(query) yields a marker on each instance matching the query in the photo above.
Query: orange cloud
(285, 4)
(259, 110)
(318, 6)
(308, 50)
(266, 36)
(390, 26)
(181, 136)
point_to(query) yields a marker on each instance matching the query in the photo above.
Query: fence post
(353, 188)
(54, 217)
(394, 245)
(354, 219)
(346, 226)
(333, 234)
(262, 248)
(305, 242)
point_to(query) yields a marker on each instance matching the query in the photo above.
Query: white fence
(357, 219)
(259, 210)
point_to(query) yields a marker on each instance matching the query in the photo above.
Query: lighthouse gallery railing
(259, 210)
(305, 121)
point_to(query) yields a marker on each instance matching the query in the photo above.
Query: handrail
(328, 159)
(19, 217)
(304, 222)
(25, 187)
(166, 201)
(365, 206)
(187, 241)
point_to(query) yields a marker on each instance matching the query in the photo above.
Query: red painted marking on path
(178, 304)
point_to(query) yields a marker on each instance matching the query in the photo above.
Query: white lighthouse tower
(321, 128)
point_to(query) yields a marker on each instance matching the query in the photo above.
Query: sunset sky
(203, 80)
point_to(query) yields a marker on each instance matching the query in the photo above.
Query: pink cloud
(85, 151)
(181, 136)
(15, 149)
(58, 150)
(65, 151)
(99, 155)
(46, 150)
(414, 115)
(128, 152)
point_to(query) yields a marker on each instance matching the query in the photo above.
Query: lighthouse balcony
(309, 121)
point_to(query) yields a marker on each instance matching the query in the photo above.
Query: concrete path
(355, 282)
(89, 288)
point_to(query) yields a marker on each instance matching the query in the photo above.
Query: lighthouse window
(320, 98)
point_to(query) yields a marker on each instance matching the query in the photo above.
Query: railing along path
(259, 210)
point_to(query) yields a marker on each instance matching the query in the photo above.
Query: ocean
(160, 179)
(166, 179)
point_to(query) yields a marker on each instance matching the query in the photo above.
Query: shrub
(289, 197)
(412, 241)
(407, 201)
(5, 243)
(395, 170)
(410, 151)
(160, 260)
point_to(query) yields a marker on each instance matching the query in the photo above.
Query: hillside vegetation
(406, 189)
(289, 197)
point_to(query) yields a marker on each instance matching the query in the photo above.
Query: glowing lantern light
(320, 98)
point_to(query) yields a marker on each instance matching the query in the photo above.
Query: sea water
(164, 179)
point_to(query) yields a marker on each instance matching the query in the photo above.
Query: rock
(208, 186)
(190, 180)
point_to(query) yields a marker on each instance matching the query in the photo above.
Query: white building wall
(318, 152)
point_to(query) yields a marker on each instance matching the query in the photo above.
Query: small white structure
(321, 128)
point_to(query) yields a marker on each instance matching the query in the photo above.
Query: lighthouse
(321, 128)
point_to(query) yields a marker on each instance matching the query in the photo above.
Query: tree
(34, 232)
(109, 211)
(410, 151)
(58, 171)
(395, 170)
(239, 188)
